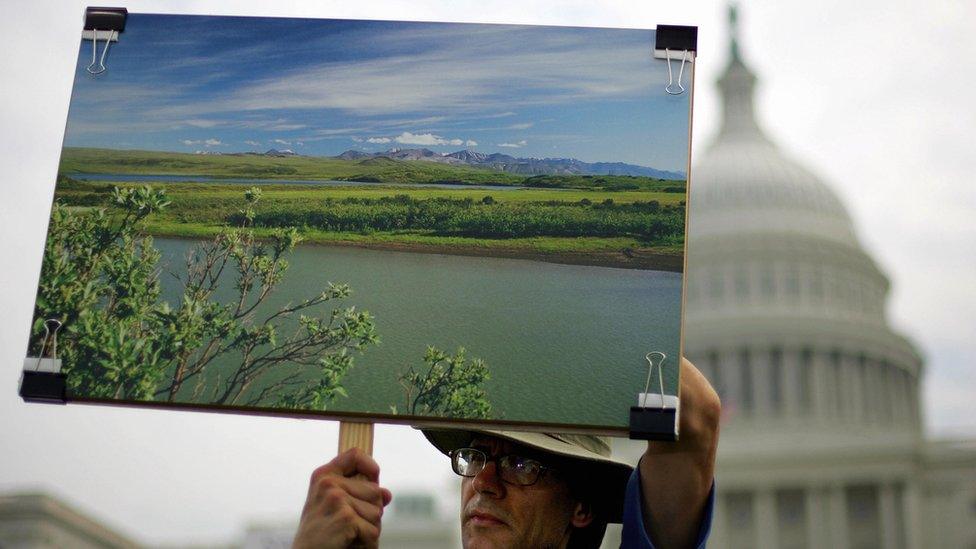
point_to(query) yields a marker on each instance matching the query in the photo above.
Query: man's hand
(676, 477)
(344, 504)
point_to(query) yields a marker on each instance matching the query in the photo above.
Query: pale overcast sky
(875, 96)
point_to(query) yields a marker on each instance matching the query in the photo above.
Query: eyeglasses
(522, 471)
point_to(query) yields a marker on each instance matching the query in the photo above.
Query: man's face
(497, 514)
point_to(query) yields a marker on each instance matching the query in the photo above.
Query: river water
(563, 343)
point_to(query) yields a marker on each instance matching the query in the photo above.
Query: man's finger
(360, 489)
(369, 512)
(354, 462)
(368, 534)
(351, 528)
(358, 531)
(350, 463)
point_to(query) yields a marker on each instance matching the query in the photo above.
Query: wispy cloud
(471, 143)
(337, 131)
(378, 140)
(205, 142)
(519, 144)
(562, 66)
(281, 141)
(201, 123)
(275, 125)
(407, 138)
(522, 126)
(413, 122)
(253, 143)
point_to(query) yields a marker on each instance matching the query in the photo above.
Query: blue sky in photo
(320, 87)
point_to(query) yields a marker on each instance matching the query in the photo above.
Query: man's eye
(522, 464)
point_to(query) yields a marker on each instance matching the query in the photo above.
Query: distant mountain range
(495, 161)
(511, 164)
(270, 152)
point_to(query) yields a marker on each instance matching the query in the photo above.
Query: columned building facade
(823, 442)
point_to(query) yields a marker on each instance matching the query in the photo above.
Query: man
(525, 490)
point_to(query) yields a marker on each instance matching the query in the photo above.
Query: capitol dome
(752, 187)
(785, 310)
(822, 442)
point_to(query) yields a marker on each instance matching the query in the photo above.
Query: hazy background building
(413, 521)
(43, 521)
(40, 521)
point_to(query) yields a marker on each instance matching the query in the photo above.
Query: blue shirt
(634, 536)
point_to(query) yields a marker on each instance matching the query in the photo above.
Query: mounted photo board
(372, 221)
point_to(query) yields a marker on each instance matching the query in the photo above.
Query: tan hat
(610, 475)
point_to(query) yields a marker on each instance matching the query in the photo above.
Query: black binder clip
(42, 379)
(102, 24)
(656, 415)
(676, 42)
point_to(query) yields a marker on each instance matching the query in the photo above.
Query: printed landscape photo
(395, 219)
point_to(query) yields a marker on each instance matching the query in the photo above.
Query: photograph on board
(381, 218)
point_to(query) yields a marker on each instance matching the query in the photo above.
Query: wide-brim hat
(608, 476)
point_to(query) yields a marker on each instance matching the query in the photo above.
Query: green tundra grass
(575, 222)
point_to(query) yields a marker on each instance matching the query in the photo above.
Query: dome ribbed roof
(750, 186)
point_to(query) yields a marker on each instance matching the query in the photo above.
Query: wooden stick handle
(354, 434)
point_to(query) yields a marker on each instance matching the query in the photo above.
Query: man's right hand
(344, 505)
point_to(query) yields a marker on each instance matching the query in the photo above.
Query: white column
(837, 513)
(818, 387)
(887, 394)
(817, 528)
(761, 384)
(867, 403)
(731, 363)
(894, 384)
(898, 404)
(912, 512)
(852, 392)
(905, 397)
(791, 383)
(822, 386)
(839, 407)
(766, 523)
(872, 401)
(841, 388)
(882, 411)
(914, 401)
(888, 520)
(866, 394)
(891, 386)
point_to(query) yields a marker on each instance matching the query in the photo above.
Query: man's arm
(676, 477)
(344, 504)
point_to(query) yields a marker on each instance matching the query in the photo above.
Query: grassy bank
(621, 252)
(211, 193)
(635, 229)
